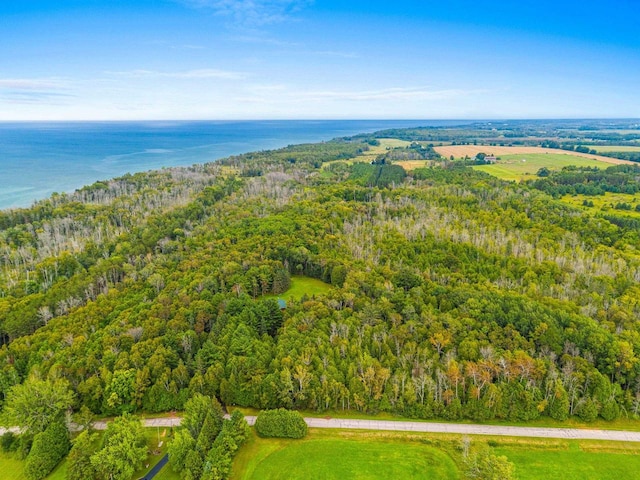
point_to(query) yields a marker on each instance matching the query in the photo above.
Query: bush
(281, 423)
(588, 410)
(610, 410)
(9, 442)
(49, 447)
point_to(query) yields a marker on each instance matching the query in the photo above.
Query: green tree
(559, 408)
(36, 404)
(49, 447)
(124, 449)
(79, 466)
(179, 448)
(196, 411)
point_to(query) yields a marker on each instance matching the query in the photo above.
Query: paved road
(428, 427)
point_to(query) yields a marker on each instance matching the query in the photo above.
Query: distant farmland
(460, 151)
(615, 148)
(526, 165)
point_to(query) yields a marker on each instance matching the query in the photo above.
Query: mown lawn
(329, 454)
(300, 286)
(13, 469)
(572, 460)
(526, 165)
(326, 456)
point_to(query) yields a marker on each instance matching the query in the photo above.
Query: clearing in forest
(301, 286)
(618, 204)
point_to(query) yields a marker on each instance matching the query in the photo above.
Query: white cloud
(30, 83)
(197, 74)
(253, 12)
(52, 91)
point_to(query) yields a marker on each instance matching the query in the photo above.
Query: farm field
(512, 167)
(614, 148)
(606, 203)
(409, 165)
(460, 151)
(300, 286)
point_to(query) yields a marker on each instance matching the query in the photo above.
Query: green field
(526, 165)
(329, 454)
(301, 286)
(614, 148)
(577, 460)
(604, 204)
(340, 456)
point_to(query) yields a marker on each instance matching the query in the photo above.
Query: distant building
(490, 159)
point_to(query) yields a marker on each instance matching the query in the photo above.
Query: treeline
(589, 181)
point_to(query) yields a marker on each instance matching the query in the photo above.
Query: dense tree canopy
(454, 294)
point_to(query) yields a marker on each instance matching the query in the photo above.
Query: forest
(453, 294)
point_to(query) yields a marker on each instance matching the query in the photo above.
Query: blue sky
(281, 59)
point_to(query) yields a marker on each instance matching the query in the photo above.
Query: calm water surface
(37, 159)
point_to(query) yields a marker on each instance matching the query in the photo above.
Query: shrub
(281, 423)
(49, 447)
(9, 442)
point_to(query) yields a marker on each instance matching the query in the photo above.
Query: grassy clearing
(604, 204)
(526, 165)
(341, 454)
(576, 460)
(374, 150)
(300, 286)
(331, 456)
(409, 165)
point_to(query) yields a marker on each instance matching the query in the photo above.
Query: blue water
(37, 159)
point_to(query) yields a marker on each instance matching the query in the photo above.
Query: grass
(167, 474)
(329, 455)
(300, 286)
(604, 203)
(512, 167)
(614, 148)
(576, 460)
(13, 469)
(373, 152)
